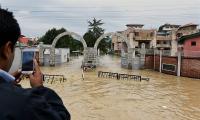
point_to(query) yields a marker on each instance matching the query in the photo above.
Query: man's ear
(6, 50)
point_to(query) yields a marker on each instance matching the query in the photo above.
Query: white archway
(128, 59)
(73, 34)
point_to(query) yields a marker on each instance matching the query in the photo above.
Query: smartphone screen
(27, 61)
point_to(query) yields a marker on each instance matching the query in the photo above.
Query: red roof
(23, 40)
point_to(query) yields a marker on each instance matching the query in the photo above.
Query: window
(168, 67)
(136, 33)
(164, 42)
(193, 43)
(158, 42)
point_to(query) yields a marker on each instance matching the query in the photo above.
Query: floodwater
(164, 97)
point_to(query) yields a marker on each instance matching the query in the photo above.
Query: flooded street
(164, 97)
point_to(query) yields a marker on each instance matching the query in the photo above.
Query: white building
(62, 55)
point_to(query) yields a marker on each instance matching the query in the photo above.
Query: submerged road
(164, 97)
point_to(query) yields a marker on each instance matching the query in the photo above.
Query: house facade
(191, 45)
(137, 35)
(166, 38)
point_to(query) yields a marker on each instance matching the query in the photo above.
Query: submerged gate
(129, 60)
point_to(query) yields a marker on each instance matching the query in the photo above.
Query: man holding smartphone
(16, 103)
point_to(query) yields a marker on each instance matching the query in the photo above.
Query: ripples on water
(164, 97)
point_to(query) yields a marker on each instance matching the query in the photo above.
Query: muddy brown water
(164, 97)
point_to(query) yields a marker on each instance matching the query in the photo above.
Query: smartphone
(27, 61)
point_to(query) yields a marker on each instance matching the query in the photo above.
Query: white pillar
(154, 57)
(41, 54)
(174, 43)
(179, 62)
(98, 52)
(160, 69)
(52, 57)
(153, 42)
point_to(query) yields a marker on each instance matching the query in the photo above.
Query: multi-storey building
(137, 35)
(165, 38)
(165, 35)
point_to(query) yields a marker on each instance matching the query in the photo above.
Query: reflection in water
(164, 97)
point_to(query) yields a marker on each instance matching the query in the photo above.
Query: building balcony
(163, 37)
(163, 45)
(143, 38)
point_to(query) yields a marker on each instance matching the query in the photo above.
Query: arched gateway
(90, 53)
(93, 53)
(74, 35)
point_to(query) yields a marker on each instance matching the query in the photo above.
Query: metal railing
(169, 37)
(163, 45)
(166, 52)
(143, 38)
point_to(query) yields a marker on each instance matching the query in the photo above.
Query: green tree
(94, 32)
(64, 42)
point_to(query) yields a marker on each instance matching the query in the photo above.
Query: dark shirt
(40, 103)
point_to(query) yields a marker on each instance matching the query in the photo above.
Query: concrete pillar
(154, 58)
(153, 42)
(41, 54)
(179, 61)
(174, 44)
(132, 43)
(130, 58)
(98, 52)
(160, 69)
(142, 55)
(174, 47)
(133, 53)
(52, 57)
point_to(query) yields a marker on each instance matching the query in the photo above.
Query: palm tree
(95, 28)
(94, 32)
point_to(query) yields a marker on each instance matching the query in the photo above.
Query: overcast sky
(37, 16)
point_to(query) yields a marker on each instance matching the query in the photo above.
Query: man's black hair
(9, 28)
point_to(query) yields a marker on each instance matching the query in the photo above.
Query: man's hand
(17, 75)
(36, 79)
